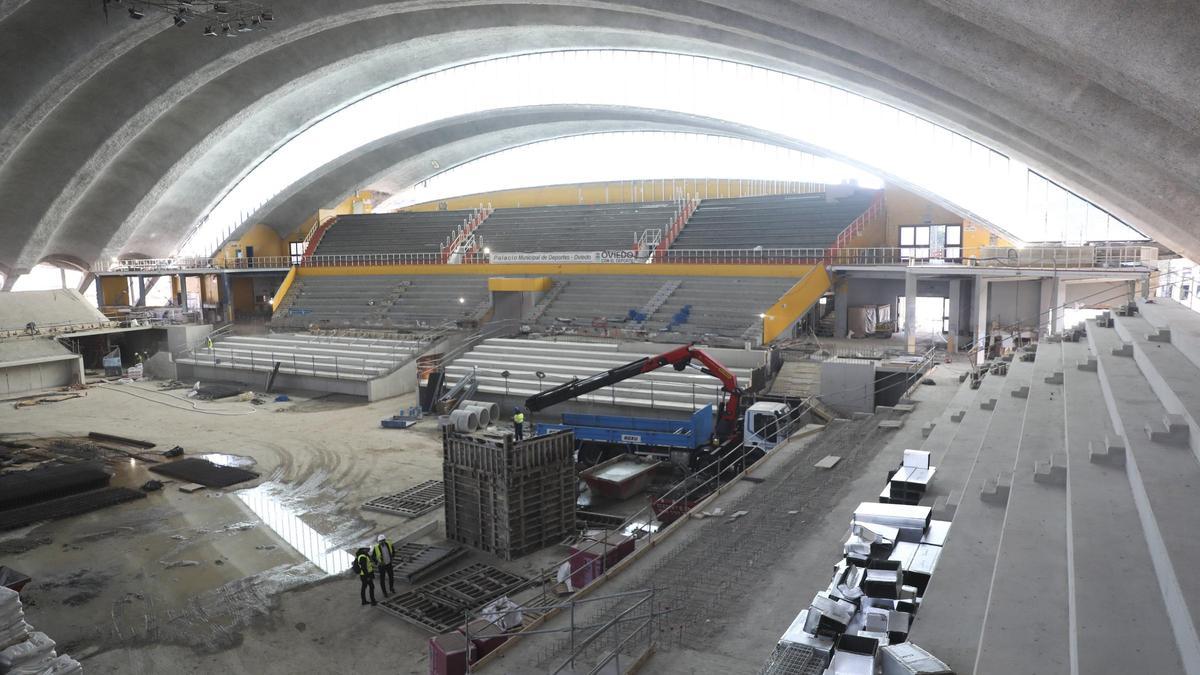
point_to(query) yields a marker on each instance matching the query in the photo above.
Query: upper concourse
(118, 137)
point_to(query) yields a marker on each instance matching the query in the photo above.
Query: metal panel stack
(507, 497)
(861, 622)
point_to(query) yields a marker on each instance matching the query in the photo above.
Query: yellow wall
(794, 303)
(906, 208)
(115, 290)
(243, 293)
(658, 269)
(264, 239)
(976, 235)
(519, 284)
(616, 192)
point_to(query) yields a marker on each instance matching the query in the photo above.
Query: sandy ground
(196, 582)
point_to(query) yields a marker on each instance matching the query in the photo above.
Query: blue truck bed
(649, 431)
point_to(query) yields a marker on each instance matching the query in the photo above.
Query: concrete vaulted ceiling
(116, 137)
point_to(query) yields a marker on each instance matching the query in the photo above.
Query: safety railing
(1059, 257)
(674, 505)
(875, 214)
(332, 366)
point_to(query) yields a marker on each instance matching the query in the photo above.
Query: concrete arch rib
(1111, 113)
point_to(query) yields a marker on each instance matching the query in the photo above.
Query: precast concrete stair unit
(320, 363)
(382, 301)
(664, 389)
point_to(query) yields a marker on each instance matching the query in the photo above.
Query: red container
(448, 654)
(596, 553)
(486, 637)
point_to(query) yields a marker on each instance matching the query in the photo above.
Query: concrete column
(99, 292)
(910, 311)
(1060, 306)
(1047, 309)
(981, 322)
(11, 280)
(955, 314)
(141, 301)
(841, 306)
(1132, 292)
(183, 291)
(1146, 288)
(226, 298)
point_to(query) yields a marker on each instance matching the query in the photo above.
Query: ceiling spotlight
(227, 32)
(762, 316)
(180, 19)
(487, 251)
(243, 27)
(221, 8)
(461, 300)
(209, 32)
(268, 15)
(135, 13)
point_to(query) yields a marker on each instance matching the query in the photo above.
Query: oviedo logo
(618, 255)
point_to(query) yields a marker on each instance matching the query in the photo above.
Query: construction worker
(518, 423)
(366, 574)
(208, 342)
(382, 553)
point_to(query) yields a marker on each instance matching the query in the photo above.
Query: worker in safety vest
(382, 553)
(366, 574)
(518, 423)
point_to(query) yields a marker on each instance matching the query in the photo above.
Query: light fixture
(461, 300)
(435, 164)
(267, 15)
(243, 27)
(209, 32)
(180, 20)
(487, 251)
(135, 13)
(762, 316)
(227, 32)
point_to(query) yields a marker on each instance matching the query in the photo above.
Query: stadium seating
(702, 308)
(572, 228)
(404, 232)
(664, 389)
(789, 221)
(381, 301)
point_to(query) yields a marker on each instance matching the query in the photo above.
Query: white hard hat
(382, 537)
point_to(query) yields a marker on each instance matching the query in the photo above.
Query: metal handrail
(1060, 257)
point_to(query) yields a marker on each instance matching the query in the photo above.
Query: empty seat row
(403, 232)
(787, 221)
(382, 301)
(593, 227)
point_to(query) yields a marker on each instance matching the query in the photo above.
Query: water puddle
(235, 461)
(268, 502)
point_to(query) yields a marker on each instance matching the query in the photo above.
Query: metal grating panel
(793, 659)
(413, 561)
(441, 605)
(413, 502)
(65, 507)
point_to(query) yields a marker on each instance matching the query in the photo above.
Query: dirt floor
(197, 582)
(241, 580)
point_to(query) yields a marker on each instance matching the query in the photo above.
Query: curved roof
(116, 138)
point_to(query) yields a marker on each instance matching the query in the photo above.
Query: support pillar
(955, 315)
(841, 306)
(1060, 306)
(1146, 288)
(99, 291)
(141, 301)
(183, 291)
(910, 311)
(981, 322)
(226, 298)
(11, 280)
(1132, 292)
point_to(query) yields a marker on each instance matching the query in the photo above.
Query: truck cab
(766, 425)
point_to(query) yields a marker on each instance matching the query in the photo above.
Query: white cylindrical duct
(493, 408)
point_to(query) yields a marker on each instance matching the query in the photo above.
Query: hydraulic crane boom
(678, 358)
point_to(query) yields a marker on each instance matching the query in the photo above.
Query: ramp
(798, 300)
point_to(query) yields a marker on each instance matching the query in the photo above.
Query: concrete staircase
(797, 379)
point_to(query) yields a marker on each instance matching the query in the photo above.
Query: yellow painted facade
(115, 290)
(655, 270)
(519, 284)
(618, 192)
(793, 304)
(279, 294)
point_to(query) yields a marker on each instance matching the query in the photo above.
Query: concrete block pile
(24, 651)
(860, 623)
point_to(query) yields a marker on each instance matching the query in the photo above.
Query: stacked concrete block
(509, 498)
(1163, 335)
(1174, 431)
(996, 490)
(1052, 471)
(1111, 453)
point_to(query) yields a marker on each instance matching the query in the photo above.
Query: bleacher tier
(404, 232)
(788, 221)
(382, 301)
(595, 227)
